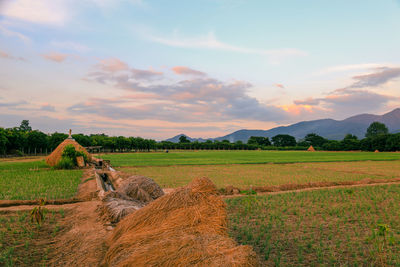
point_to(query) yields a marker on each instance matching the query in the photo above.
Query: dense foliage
(68, 158)
(23, 140)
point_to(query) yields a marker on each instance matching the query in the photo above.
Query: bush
(65, 163)
(68, 158)
(71, 153)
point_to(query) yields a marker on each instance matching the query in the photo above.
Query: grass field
(23, 243)
(338, 227)
(34, 180)
(240, 157)
(246, 175)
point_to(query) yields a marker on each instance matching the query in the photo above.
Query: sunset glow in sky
(205, 68)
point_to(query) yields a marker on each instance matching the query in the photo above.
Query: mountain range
(328, 128)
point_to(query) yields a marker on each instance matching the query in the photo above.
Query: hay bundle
(141, 188)
(133, 193)
(55, 156)
(311, 148)
(184, 228)
(116, 206)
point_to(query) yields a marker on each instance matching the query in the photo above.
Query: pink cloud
(8, 56)
(182, 70)
(47, 107)
(280, 85)
(113, 65)
(142, 96)
(56, 57)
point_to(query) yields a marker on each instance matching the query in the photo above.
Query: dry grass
(56, 155)
(184, 228)
(244, 175)
(134, 193)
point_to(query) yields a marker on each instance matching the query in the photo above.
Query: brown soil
(22, 159)
(10, 203)
(82, 241)
(87, 190)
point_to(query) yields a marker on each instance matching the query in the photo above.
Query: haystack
(311, 148)
(187, 227)
(134, 193)
(55, 156)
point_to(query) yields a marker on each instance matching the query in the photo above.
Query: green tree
(183, 139)
(82, 139)
(393, 142)
(282, 140)
(37, 140)
(25, 126)
(315, 140)
(351, 142)
(55, 139)
(3, 141)
(259, 141)
(375, 129)
(332, 145)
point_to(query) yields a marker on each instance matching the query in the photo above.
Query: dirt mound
(55, 156)
(184, 228)
(134, 193)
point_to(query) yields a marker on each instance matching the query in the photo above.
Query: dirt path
(22, 159)
(82, 243)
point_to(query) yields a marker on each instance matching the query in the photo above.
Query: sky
(205, 68)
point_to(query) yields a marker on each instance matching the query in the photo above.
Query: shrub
(65, 163)
(71, 153)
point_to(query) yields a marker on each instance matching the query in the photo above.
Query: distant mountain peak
(328, 128)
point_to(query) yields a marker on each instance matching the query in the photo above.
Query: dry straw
(56, 155)
(134, 193)
(184, 228)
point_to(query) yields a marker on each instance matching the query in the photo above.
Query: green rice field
(337, 227)
(34, 179)
(240, 157)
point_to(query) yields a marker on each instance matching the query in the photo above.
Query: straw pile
(311, 148)
(184, 228)
(55, 156)
(133, 193)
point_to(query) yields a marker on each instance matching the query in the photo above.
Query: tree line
(23, 140)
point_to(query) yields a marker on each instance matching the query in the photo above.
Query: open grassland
(25, 243)
(246, 175)
(338, 227)
(240, 157)
(34, 179)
